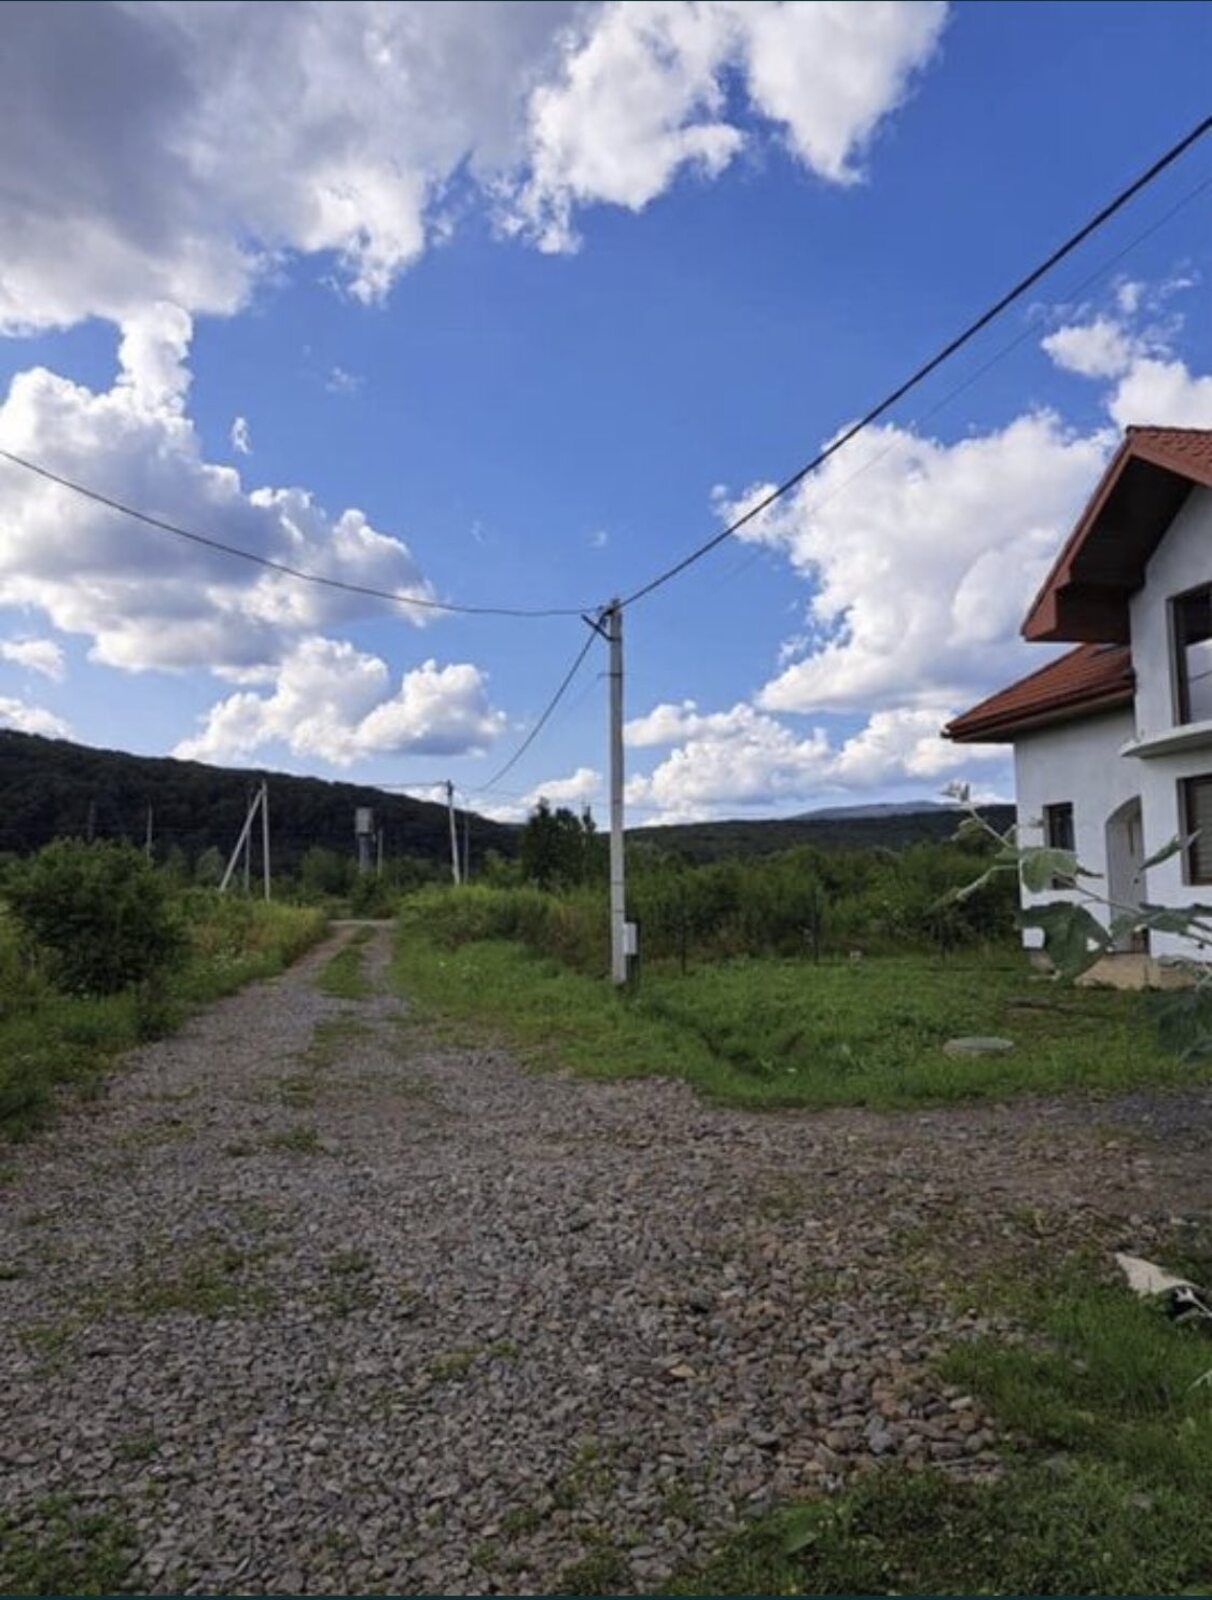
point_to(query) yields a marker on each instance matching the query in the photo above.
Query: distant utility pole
(252, 811)
(259, 801)
(618, 896)
(466, 846)
(454, 834)
(364, 829)
(379, 854)
(147, 845)
(91, 830)
(265, 835)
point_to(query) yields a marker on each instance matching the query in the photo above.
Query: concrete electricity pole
(265, 835)
(454, 834)
(259, 797)
(147, 843)
(618, 887)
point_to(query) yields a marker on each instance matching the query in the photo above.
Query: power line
(283, 567)
(965, 383)
(541, 723)
(986, 317)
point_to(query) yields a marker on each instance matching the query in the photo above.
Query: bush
(102, 917)
(804, 902)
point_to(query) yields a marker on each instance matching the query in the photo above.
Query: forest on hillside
(49, 788)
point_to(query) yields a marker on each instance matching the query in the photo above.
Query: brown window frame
(1191, 873)
(1178, 654)
(1061, 880)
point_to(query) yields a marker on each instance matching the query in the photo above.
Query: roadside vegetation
(100, 951)
(807, 979)
(1106, 1488)
(769, 1032)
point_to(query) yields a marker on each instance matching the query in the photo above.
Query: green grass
(213, 1281)
(301, 1140)
(1112, 1495)
(766, 1032)
(51, 1043)
(344, 975)
(59, 1549)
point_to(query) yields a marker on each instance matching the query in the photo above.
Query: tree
(325, 872)
(208, 869)
(558, 847)
(100, 913)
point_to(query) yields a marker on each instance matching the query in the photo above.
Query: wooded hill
(47, 787)
(891, 830)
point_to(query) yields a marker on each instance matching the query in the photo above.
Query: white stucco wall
(1079, 762)
(1182, 561)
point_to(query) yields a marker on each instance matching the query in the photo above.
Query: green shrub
(804, 902)
(101, 915)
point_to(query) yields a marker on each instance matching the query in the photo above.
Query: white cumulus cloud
(143, 597)
(744, 757)
(241, 441)
(580, 788)
(339, 704)
(643, 93)
(1102, 348)
(183, 152)
(924, 562)
(35, 655)
(25, 718)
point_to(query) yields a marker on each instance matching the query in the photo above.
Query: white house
(1113, 740)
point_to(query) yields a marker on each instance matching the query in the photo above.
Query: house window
(1192, 632)
(1195, 809)
(1058, 835)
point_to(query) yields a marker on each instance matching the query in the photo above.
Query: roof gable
(1085, 596)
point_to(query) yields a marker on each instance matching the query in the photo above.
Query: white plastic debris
(1146, 1279)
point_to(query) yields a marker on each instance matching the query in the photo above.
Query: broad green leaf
(1175, 919)
(1171, 848)
(1073, 939)
(1039, 867)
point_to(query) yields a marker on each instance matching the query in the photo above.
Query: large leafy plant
(1074, 938)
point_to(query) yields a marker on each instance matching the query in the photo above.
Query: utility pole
(454, 834)
(379, 854)
(91, 833)
(258, 797)
(265, 835)
(467, 847)
(147, 846)
(618, 900)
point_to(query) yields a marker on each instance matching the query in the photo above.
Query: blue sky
(774, 220)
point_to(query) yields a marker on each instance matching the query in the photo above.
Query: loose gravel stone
(318, 1304)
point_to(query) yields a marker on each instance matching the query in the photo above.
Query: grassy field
(1110, 1491)
(51, 1042)
(766, 1032)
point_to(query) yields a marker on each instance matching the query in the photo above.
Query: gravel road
(317, 1302)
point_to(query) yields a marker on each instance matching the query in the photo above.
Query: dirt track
(313, 1303)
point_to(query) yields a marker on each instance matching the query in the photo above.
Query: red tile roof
(1187, 450)
(1094, 677)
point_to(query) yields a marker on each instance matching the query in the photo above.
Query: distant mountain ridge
(880, 808)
